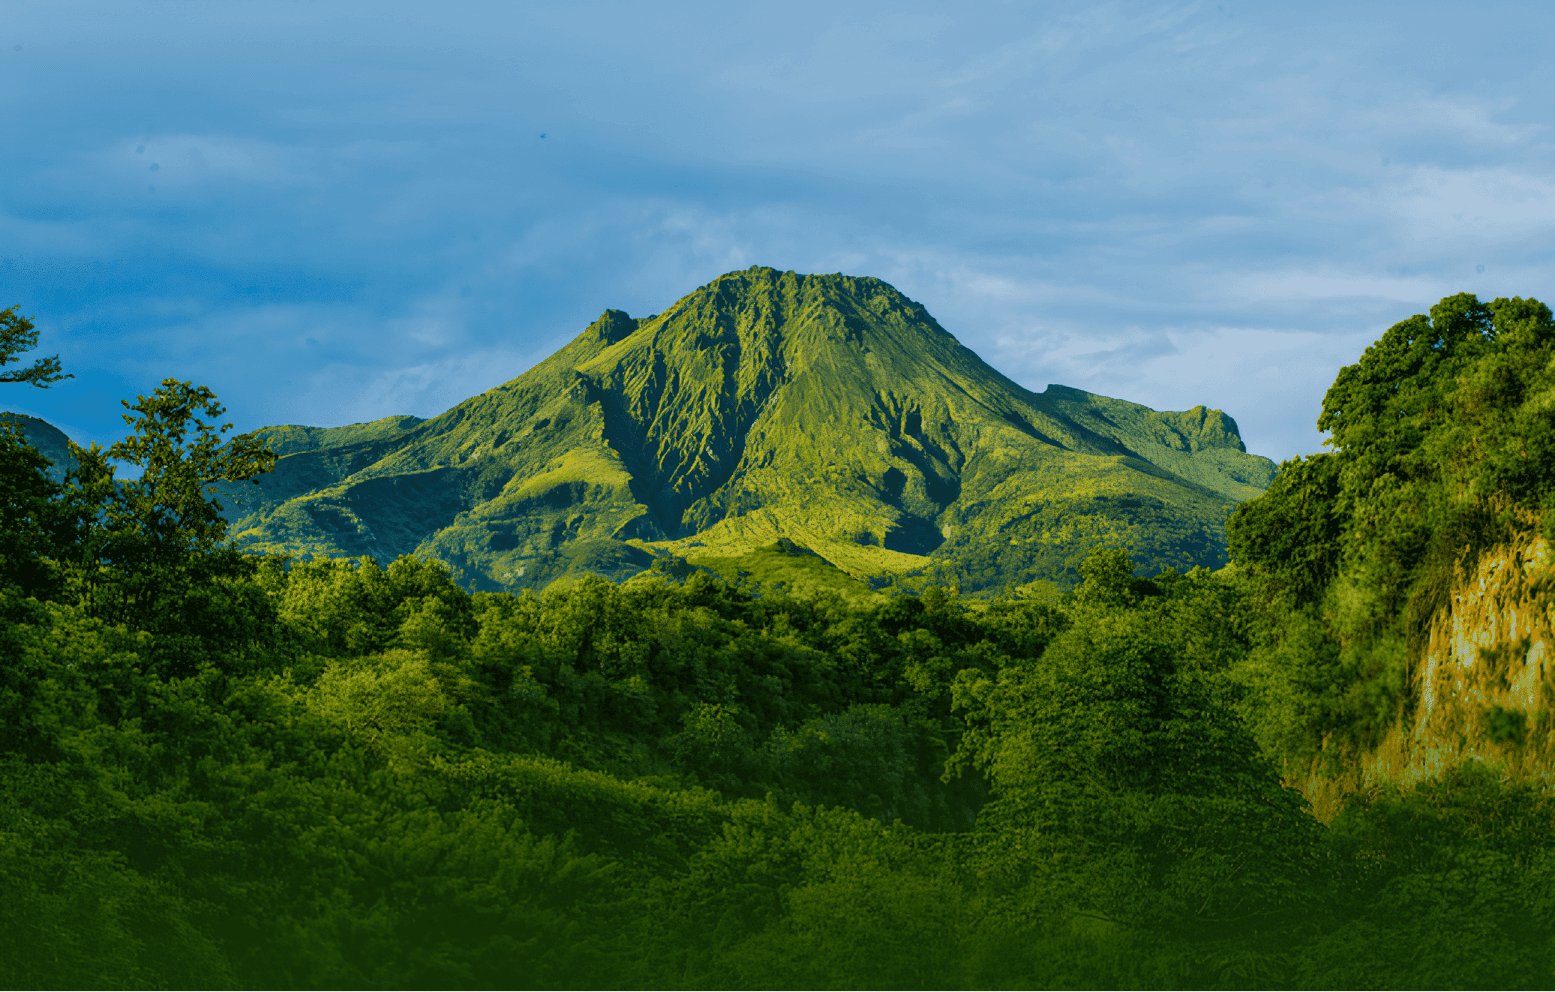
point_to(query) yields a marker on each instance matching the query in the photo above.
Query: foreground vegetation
(227, 770)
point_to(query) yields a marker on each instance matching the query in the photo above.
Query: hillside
(1406, 571)
(1326, 766)
(827, 409)
(48, 439)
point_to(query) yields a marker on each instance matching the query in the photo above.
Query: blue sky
(329, 212)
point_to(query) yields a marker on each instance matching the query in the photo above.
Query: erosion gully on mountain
(828, 410)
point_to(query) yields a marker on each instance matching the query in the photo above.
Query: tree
(153, 544)
(16, 336)
(35, 524)
(167, 505)
(1107, 579)
(1124, 787)
(1444, 449)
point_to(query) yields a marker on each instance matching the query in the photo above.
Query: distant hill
(827, 409)
(49, 440)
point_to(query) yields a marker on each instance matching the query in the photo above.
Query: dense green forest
(231, 770)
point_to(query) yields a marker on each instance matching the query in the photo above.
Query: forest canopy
(1443, 438)
(235, 770)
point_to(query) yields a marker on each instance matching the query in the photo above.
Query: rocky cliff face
(1482, 685)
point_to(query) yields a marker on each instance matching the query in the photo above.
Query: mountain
(49, 440)
(826, 409)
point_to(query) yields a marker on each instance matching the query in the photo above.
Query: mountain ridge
(831, 410)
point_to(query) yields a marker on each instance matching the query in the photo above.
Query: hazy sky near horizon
(330, 212)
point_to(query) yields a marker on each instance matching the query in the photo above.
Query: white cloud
(339, 394)
(1164, 202)
(1482, 206)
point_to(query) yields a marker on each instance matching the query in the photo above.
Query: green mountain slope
(827, 409)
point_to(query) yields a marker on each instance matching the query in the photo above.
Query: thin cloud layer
(334, 212)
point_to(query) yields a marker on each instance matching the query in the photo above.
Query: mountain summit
(827, 409)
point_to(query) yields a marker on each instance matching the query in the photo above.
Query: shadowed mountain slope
(827, 409)
(49, 440)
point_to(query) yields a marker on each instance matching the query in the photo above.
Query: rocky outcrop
(1482, 685)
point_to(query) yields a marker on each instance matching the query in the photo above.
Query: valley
(705, 654)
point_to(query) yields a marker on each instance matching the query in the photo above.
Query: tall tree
(16, 336)
(152, 556)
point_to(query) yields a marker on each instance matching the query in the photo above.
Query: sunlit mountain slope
(828, 409)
